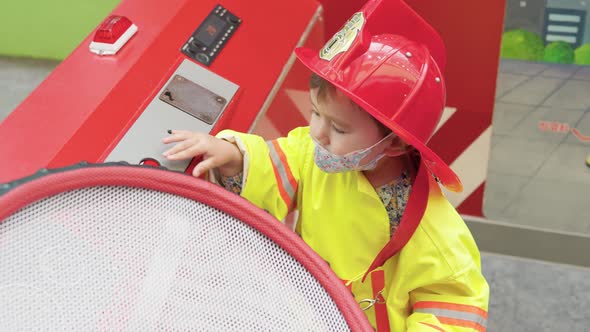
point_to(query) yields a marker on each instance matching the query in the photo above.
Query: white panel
(564, 18)
(447, 113)
(562, 28)
(472, 167)
(569, 39)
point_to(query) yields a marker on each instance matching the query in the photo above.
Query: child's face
(340, 126)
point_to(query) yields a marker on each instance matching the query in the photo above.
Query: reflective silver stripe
(276, 160)
(455, 315)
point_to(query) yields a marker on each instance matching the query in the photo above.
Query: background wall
(48, 29)
(528, 15)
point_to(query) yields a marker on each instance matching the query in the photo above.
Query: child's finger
(204, 166)
(179, 147)
(172, 139)
(188, 152)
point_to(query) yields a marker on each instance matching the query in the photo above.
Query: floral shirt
(394, 195)
(232, 183)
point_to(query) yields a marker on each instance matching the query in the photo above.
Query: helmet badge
(342, 40)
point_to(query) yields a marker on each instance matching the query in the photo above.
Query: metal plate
(193, 99)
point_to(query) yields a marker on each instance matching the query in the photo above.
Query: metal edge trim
(530, 242)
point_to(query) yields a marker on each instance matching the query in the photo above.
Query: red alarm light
(112, 34)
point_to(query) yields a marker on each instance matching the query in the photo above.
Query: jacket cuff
(235, 139)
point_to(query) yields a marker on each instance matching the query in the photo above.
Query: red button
(150, 162)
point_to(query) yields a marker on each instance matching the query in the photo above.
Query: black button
(196, 43)
(192, 49)
(202, 57)
(233, 19)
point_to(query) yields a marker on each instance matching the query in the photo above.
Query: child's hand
(216, 153)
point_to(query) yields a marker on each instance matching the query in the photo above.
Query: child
(362, 178)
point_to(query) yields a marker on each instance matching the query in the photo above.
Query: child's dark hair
(324, 87)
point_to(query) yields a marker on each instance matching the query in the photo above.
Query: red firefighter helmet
(388, 60)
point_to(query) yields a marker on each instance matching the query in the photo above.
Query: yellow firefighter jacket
(434, 283)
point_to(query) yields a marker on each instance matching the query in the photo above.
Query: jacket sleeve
(272, 169)
(457, 304)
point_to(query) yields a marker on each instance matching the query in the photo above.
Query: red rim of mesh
(198, 190)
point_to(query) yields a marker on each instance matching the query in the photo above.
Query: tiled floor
(531, 296)
(18, 77)
(539, 178)
(525, 295)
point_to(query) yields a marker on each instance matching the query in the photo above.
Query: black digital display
(210, 30)
(211, 35)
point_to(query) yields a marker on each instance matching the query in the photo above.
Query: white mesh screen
(113, 258)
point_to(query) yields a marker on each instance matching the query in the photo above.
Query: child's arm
(271, 169)
(457, 304)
